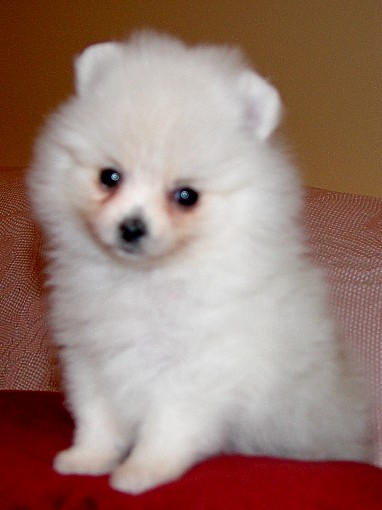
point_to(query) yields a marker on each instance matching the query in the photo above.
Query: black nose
(132, 229)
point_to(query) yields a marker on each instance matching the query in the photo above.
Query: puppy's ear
(263, 105)
(93, 63)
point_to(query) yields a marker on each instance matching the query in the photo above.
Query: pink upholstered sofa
(345, 233)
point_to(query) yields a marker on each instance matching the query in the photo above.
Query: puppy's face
(163, 184)
(158, 149)
(139, 219)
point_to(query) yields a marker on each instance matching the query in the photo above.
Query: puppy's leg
(164, 451)
(99, 439)
(98, 442)
(152, 464)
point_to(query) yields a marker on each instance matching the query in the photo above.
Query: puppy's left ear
(93, 63)
(263, 105)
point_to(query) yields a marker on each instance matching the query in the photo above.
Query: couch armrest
(27, 360)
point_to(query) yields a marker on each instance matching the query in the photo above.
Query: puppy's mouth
(137, 243)
(133, 241)
(142, 253)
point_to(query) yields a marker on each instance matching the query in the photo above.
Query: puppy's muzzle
(132, 231)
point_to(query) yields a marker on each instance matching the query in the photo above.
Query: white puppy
(190, 319)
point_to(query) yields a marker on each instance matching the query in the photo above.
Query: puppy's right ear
(263, 105)
(92, 64)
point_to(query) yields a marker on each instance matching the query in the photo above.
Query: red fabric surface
(34, 426)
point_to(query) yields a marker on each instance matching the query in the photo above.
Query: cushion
(34, 426)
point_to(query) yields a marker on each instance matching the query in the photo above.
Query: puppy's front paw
(132, 480)
(76, 460)
(135, 477)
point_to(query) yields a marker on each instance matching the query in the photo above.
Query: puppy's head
(159, 149)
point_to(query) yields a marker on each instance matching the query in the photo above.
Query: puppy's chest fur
(138, 319)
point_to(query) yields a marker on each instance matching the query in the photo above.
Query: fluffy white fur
(214, 336)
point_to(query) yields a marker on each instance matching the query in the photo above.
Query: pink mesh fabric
(346, 239)
(27, 362)
(345, 233)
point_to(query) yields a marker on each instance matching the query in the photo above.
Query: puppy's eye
(186, 197)
(110, 177)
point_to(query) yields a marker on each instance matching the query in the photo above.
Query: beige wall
(323, 55)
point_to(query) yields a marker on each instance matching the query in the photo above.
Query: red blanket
(35, 425)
